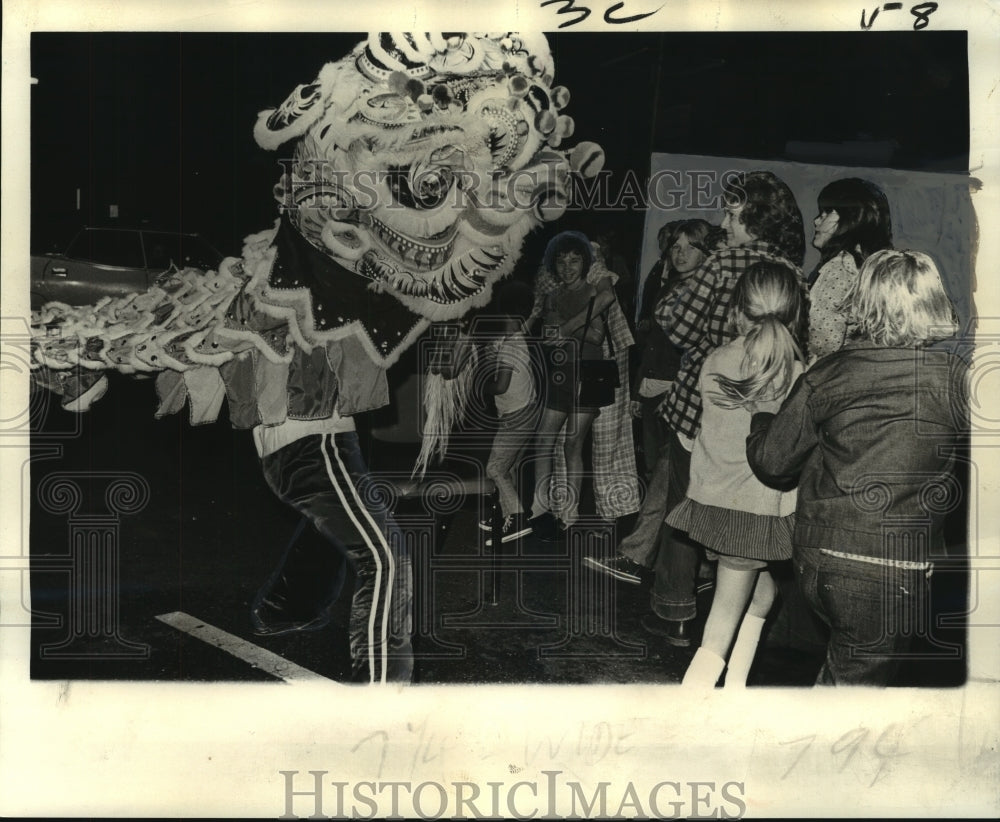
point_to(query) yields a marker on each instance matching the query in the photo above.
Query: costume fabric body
(511, 351)
(727, 508)
(827, 323)
(397, 210)
(874, 486)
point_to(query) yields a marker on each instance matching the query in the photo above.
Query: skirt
(761, 537)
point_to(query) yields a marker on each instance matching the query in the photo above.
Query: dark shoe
(545, 527)
(299, 594)
(557, 532)
(676, 632)
(270, 619)
(618, 566)
(514, 527)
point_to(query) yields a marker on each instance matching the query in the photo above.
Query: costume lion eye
(508, 132)
(421, 186)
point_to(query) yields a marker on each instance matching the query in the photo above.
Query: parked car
(102, 262)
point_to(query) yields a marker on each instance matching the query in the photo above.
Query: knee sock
(744, 650)
(704, 670)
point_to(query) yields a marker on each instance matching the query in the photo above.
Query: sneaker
(618, 566)
(514, 526)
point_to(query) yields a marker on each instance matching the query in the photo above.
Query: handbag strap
(604, 314)
(590, 310)
(607, 332)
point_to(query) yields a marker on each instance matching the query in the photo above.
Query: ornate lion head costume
(421, 161)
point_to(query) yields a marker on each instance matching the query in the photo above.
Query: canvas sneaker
(618, 566)
(514, 526)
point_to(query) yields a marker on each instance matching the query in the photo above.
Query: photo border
(161, 749)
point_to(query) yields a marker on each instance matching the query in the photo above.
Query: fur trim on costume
(445, 402)
(83, 402)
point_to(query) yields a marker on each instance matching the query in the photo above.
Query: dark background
(161, 123)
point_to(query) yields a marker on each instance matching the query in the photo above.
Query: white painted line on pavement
(254, 655)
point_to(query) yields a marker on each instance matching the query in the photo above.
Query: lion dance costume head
(420, 162)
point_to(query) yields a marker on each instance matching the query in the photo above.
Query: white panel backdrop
(930, 212)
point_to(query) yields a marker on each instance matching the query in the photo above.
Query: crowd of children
(762, 437)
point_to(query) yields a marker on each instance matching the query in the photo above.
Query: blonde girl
(742, 522)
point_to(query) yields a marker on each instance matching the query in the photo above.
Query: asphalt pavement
(150, 538)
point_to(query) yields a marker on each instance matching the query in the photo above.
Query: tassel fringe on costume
(444, 406)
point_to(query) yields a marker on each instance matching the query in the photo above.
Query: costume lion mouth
(458, 280)
(426, 254)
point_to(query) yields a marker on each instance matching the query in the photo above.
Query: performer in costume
(419, 162)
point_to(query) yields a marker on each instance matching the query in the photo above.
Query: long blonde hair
(766, 309)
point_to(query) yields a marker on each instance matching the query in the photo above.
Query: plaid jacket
(698, 321)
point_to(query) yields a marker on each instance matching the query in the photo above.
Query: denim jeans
(322, 477)
(643, 541)
(874, 613)
(677, 558)
(655, 433)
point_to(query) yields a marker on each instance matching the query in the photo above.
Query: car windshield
(164, 250)
(108, 247)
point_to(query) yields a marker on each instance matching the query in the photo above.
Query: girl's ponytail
(770, 356)
(767, 307)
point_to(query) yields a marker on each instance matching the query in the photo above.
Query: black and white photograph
(588, 420)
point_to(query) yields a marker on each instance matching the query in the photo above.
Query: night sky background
(160, 124)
